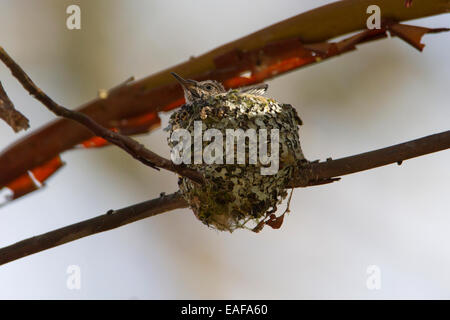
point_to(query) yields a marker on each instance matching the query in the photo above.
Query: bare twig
(16, 120)
(315, 173)
(134, 148)
(108, 221)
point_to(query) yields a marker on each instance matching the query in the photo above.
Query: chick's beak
(187, 84)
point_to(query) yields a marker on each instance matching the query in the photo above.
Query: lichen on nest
(237, 195)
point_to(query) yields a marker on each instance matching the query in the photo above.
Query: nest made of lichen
(236, 194)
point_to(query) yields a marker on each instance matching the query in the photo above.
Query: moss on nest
(236, 195)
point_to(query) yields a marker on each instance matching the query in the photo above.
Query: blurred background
(386, 92)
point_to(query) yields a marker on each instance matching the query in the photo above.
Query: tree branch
(110, 220)
(313, 173)
(10, 115)
(129, 145)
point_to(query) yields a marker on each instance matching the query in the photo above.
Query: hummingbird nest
(236, 195)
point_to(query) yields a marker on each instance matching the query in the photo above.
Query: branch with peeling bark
(10, 115)
(129, 145)
(307, 175)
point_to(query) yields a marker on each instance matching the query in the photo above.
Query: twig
(16, 120)
(134, 148)
(315, 172)
(108, 221)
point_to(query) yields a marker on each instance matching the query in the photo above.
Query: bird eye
(209, 87)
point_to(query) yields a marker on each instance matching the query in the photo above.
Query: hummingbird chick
(197, 91)
(240, 191)
(200, 90)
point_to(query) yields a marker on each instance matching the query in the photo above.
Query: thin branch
(16, 120)
(131, 146)
(110, 220)
(314, 173)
